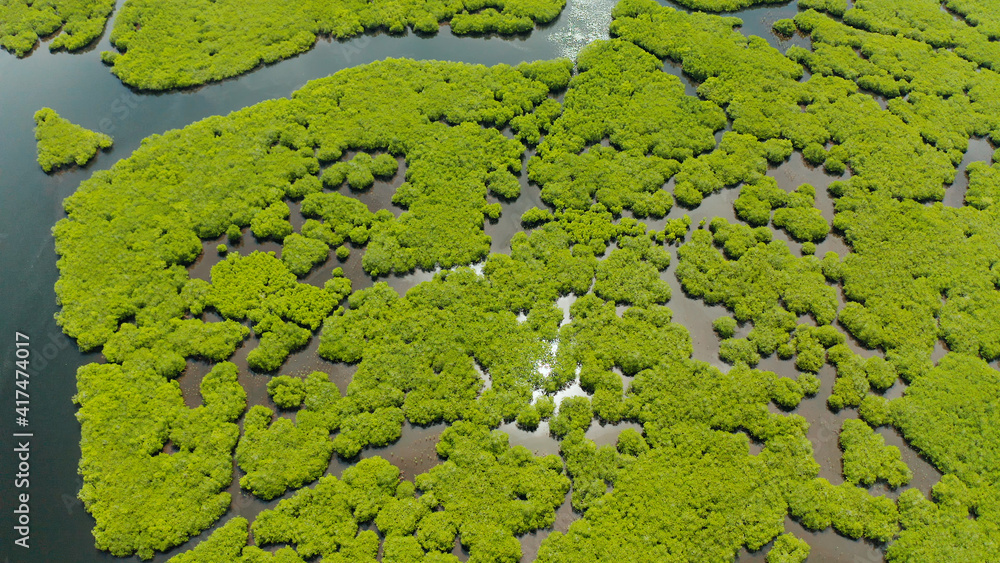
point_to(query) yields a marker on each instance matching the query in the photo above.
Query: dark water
(980, 150)
(83, 91)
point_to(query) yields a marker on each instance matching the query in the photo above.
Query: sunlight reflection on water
(587, 20)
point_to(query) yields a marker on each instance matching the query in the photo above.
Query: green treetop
(77, 23)
(61, 143)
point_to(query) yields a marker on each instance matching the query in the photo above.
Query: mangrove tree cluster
(917, 273)
(132, 231)
(178, 43)
(74, 23)
(142, 496)
(485, 491)
(761, 282)
(61, 143)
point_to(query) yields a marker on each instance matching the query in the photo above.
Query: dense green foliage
(489, 492)
(784, 27)
(724, 5)
(936, 260)
(272, 222)
(943, 415)
(161, 49)
(690, 468)
(575, 413)
(631, 273)
(418, 354)
(984, 185)
(224, 545)
(832, 7)
(143, 498)
(738, 158)
(803, 223)
(788, 549)
(946, 98)
(960, 525)
(261, 288)
(795, 212)
(61, 143)
(849, 509)
(135, 248)
(927, 22)
(535, 217)
(324, 520)
(760, 281)
(668, 496)
(621, 94)
(867, 459)
(131, 231)
(281, 455)
(761, 92)
(477, 347)
(286, 391)
(875, 410)
(725, 327)
(359, 172)
(663, 502)
(228, 544)
(810, 343)
(744, 75)
(76, 23)
(598, 340)
(940, 266)
(334, 218)
(484, 490)
(675, 229)
(917, 273)
(856, 376)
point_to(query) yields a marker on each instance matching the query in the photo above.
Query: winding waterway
(82, 90)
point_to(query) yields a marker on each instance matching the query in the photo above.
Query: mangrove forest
(683, 357)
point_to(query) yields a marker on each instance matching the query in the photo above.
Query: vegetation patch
(164, 45)
(61, 143)
(128, 413)
(721, 457)
(75, 23)
(759, 280)
(621, 94)
(867, 459)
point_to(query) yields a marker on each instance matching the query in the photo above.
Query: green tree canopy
(61, 143)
